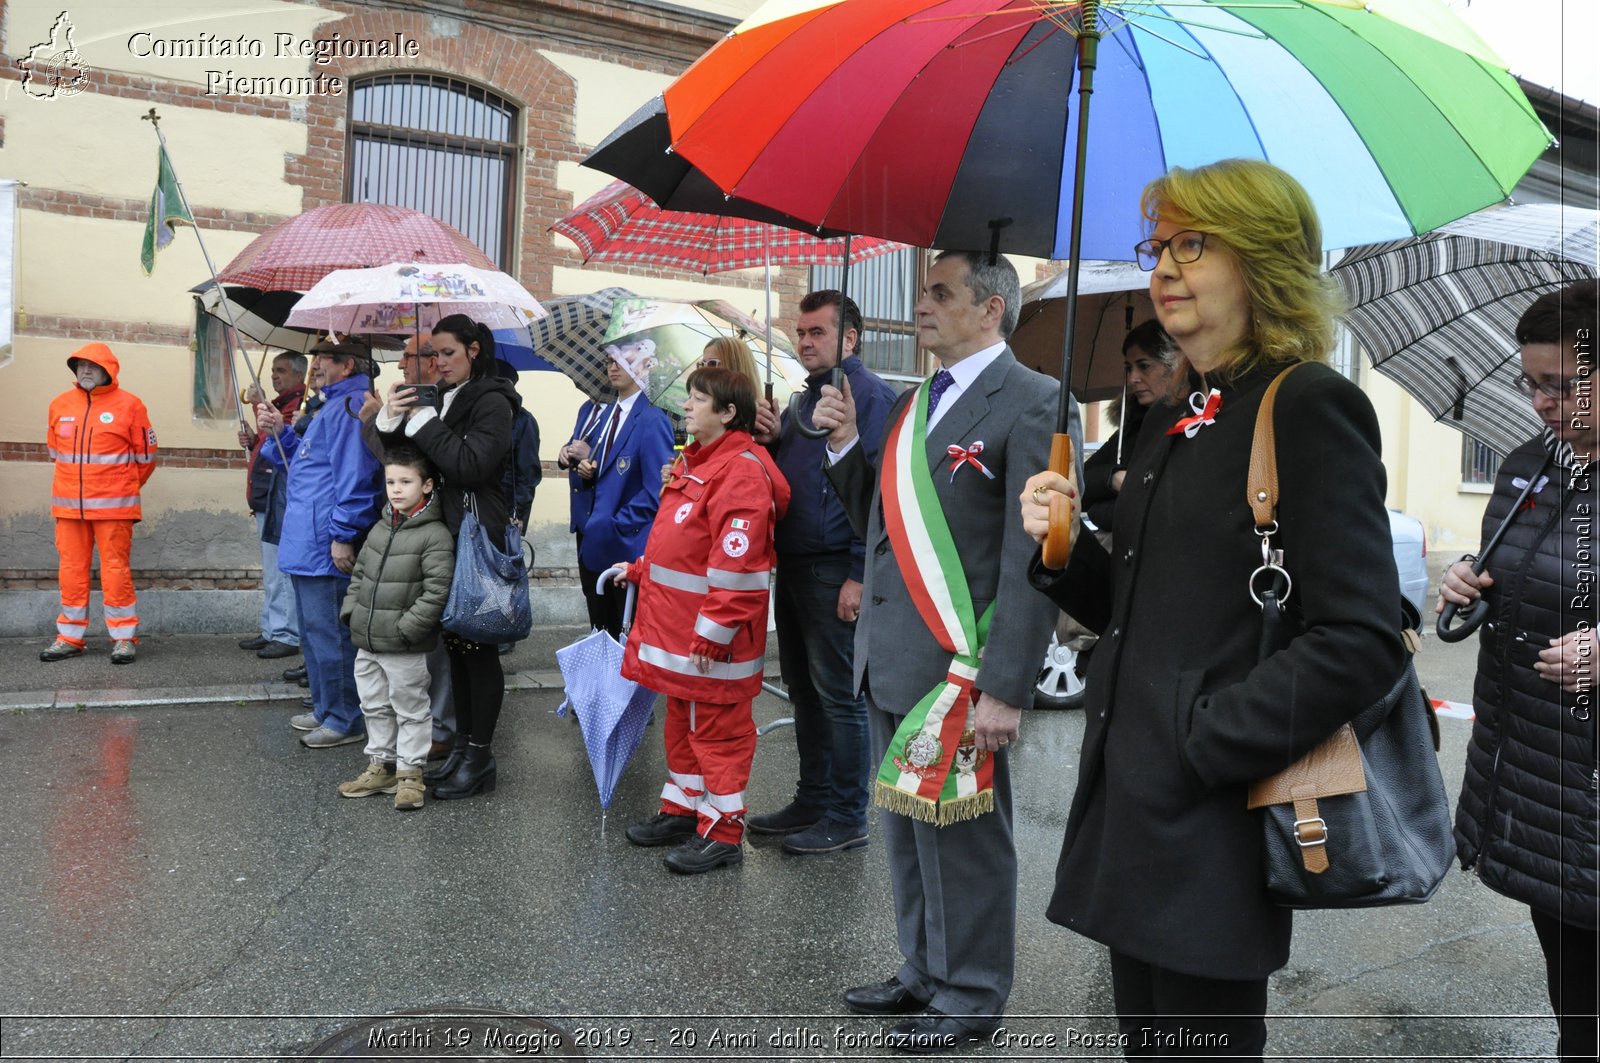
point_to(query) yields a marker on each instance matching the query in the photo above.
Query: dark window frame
(460, 120)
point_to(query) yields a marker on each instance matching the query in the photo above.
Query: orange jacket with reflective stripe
(102, 444)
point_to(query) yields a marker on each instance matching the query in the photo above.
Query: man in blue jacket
(630, 442)
(335, 490)
(820, 570)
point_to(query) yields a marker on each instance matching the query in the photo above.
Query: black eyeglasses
(1527, 385)
(1185, 247)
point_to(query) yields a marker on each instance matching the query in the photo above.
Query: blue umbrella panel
(612, 711)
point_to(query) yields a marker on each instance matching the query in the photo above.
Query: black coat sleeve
(1334, 531)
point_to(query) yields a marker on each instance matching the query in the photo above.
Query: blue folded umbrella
(612, 711)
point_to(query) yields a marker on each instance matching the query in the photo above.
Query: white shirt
(962, 374)
(620, 416)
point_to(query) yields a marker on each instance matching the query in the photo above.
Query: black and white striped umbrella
(1437, 314)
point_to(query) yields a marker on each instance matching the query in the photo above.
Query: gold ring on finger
(1038, 495)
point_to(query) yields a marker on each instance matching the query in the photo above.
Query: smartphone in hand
(427, 395)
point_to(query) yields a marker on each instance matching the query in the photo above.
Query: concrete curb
(82, 700)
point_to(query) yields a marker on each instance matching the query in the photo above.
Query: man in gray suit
(985, 424)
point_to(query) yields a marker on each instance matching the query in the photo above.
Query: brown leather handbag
(1362, 820)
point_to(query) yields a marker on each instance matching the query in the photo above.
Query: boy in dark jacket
(397, 595)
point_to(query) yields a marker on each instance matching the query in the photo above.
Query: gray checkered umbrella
(570, 338)
(1437, 314)
(573, 338)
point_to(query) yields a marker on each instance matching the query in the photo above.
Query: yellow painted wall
(1423, 459)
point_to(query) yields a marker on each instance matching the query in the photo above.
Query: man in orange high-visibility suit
(104, 450)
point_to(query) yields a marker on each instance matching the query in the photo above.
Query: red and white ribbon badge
(1205, 409)
(960, 455)
(1519, 483)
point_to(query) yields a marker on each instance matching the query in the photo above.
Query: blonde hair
(1265, 220)
(733, 353)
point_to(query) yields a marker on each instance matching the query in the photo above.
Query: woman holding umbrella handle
(467, 440)
(1183, 712)
(1527, 818)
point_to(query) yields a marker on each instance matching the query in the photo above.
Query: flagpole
(227, 308)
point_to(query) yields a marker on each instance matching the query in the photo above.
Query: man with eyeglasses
(821, 566)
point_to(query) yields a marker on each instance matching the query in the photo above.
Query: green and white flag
(166, 208)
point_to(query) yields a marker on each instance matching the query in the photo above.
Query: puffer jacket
(704, 575)
(401, 582)
(1527, 816)
(469, 444)
(102, 444)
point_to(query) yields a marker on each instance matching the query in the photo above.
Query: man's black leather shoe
(702, 854)
(661, 829)
(934, 1032)
(271, 651)
(884, 998)
(253, 644)
(294, 675)
(788, 819)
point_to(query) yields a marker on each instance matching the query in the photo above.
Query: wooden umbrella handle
(1063, 520)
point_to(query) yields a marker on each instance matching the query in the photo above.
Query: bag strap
(1262, 484)
(1261, 492)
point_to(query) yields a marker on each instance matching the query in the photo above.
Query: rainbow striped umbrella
(932, 121)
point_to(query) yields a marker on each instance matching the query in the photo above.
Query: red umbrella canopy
(622, 224)
(295, 254)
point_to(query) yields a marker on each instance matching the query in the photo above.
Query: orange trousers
(76, 542)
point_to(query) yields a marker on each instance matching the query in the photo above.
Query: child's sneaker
(409, 790)
(379, 778)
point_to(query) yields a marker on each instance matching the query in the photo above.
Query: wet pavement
(181, 880)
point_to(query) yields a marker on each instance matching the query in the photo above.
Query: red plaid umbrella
(296, 254)
(622, 224)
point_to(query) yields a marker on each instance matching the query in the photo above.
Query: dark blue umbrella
(516, 347)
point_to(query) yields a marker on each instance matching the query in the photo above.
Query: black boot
(476, 775)
(447, 767)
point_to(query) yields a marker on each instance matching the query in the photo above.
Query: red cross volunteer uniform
(104, 450)
(703, 590)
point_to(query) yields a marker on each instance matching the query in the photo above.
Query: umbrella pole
(1058, 543)
(836, 377)
(233, 327)
(766, 257)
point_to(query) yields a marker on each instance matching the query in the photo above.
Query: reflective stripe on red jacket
(103, 447)
(704, 575)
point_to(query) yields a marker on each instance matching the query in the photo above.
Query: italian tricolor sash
(933, 770)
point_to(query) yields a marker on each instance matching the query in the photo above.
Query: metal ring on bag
(1288, 583)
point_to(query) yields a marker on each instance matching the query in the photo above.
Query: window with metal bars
(885, 288)
(440, 146)
(1479, 464)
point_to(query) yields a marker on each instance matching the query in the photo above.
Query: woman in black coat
(468, 441)
(1162, 862)
(1148, 375)
(1527, 821)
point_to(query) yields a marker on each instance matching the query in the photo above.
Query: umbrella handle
(1058, 543)
(1472, 616)
(799, 421)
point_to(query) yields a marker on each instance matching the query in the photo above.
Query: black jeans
(605, 610)
(816, 651)
(1163, 1013)
(1569, 961)
(477, 687)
